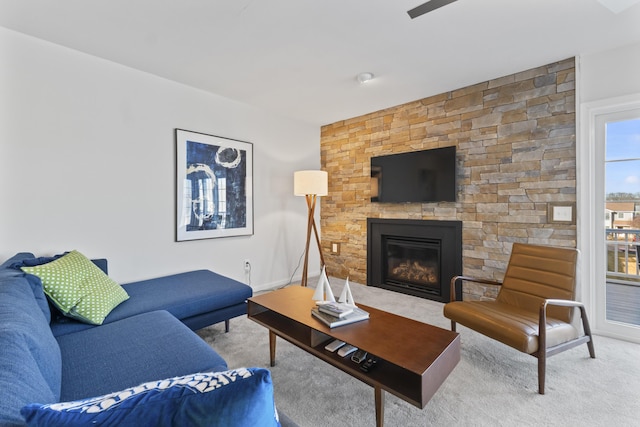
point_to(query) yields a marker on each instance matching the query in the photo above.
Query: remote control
(359, 356)
(334, 345)
(369, 364)
(346, 350)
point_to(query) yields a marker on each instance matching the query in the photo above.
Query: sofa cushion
(11, 269)
(240, 397)
(131, 351)
(78, 287)
(30, 362)
(39, 295)
(5, 267)
(31, 262)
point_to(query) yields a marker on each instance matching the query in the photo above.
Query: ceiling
(300, 58)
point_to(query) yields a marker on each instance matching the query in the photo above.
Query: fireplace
(415, 257)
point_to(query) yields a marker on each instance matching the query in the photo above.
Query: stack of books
(336, 314)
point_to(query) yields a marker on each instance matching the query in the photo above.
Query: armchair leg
(587, 332)
(453, 326)
(542, 364)
(592, 352)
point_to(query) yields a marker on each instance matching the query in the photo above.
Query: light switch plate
(335, 248)
(561, 213)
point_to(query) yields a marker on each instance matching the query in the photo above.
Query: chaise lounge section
(197, 298)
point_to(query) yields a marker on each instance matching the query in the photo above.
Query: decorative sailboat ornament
(346, 297)
(323, 293)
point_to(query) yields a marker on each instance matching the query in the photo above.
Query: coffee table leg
(272, 348)
(379, 406)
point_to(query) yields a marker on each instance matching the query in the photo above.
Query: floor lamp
(311, 184)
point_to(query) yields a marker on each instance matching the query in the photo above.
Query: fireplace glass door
(412, 263)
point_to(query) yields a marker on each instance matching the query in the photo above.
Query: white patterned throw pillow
(238, 397)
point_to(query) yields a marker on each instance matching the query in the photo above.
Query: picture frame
(214, 186)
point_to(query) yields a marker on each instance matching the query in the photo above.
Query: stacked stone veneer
(515, 139)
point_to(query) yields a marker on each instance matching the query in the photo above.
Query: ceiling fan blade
(428, 7)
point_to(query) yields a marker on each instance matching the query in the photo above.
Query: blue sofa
(52, 368)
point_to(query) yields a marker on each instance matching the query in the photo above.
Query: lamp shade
(310, 182)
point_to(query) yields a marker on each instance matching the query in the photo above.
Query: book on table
(332, 321)
(335, 309)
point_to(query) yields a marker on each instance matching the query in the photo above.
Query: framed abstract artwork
(214, 186)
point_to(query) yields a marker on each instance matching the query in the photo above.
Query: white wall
(87, 161)
(610, 74)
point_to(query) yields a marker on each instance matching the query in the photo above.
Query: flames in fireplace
(415, 271)
(412, 262)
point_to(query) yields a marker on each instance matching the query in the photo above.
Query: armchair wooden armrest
(562, 303)
(585, 325)
(544, 352)
(542, 331)
(469, 279)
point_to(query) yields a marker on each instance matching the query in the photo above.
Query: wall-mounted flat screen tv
(415, 177)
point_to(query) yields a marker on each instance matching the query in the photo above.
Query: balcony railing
(623, 276)
(623, 246)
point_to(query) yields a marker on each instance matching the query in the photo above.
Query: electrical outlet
(247, 265)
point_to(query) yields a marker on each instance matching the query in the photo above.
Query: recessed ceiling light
(364, 77)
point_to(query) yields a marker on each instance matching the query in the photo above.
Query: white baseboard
(280, 283)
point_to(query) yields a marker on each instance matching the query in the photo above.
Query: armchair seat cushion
(508, 324)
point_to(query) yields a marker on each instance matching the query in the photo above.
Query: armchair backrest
(536, 273)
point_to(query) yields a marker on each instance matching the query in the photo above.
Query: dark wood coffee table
(414, 358)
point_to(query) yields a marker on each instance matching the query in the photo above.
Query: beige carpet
(492, 385)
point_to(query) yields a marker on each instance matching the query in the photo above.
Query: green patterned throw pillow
(79, 288)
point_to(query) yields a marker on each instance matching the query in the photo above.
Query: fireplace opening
(413, 263)
(415, 257)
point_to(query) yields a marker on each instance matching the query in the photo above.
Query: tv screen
(414, 177)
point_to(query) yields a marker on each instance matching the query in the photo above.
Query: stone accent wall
(515, 139)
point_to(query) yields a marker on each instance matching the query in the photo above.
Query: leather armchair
(535, 310)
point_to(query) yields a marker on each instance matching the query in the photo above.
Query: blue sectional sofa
(142, 366)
